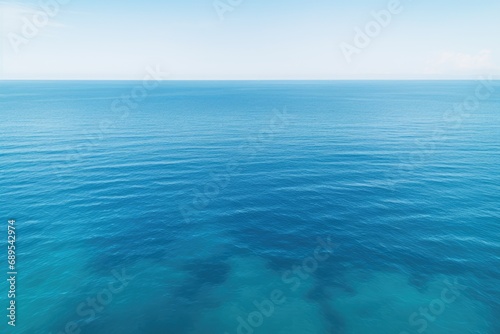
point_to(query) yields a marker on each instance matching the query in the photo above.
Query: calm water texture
(209, 199)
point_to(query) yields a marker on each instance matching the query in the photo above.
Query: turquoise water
(253, 207)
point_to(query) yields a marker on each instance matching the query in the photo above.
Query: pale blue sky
(293, 39)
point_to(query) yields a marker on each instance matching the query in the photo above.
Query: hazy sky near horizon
(250, 39)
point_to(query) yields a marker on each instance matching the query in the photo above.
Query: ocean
(273, 207)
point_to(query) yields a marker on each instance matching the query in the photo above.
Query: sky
(249, 39)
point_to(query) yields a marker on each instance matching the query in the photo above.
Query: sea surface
(252, 207)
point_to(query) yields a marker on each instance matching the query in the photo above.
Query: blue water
(253, 207)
